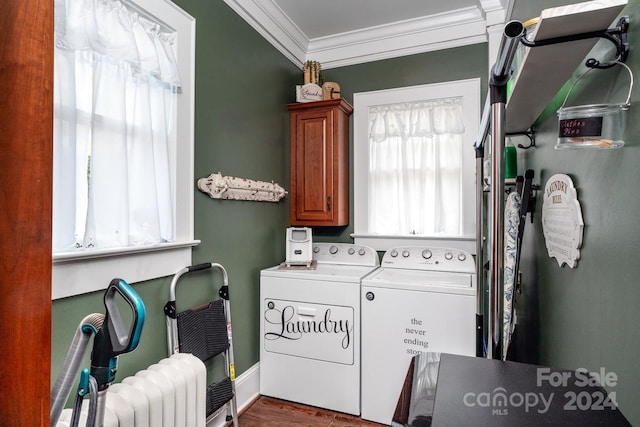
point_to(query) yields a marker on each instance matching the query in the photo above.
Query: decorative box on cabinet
(320, 162)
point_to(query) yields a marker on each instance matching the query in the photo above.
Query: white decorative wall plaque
(562, 222)
(218, 186)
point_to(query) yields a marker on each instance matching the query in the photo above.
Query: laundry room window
(414, 165)
(123, 142)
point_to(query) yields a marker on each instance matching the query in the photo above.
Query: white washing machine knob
(394, 253)
(362, 252)
(426, 254)
(405, 254)
(316, 249)
(461, 257)
(448, 256)
(333, 250)
(351, 251)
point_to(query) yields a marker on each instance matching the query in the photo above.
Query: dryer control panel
(429, 259)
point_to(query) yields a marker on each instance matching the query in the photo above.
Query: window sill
(76, 273)
(384, 243)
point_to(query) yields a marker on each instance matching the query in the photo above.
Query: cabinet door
(312, 167)
(320, 163)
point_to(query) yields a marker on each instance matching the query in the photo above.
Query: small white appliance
(419, 300)
(310, 328)
(299, 244)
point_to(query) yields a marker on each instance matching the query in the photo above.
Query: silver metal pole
(500, 74)
(496, 216)
(513, 32)
(480, 283)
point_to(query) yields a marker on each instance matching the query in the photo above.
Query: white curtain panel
(415, 171)
(115, 89)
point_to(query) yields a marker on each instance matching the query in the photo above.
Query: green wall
(582, 317)
(242, 129)
(588, 316)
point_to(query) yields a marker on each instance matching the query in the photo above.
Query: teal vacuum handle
(123, 341)
(114, 338)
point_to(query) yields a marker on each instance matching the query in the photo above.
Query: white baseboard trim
(247, 390)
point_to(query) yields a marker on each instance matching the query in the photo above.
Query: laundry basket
(205, 332)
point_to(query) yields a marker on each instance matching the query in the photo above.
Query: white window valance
(416, 119)
(111, 29)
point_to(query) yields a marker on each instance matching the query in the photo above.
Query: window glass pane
(415, 179)
(414, 168)
(114, 127)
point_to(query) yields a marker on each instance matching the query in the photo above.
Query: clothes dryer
(419, 300)
(310, 327)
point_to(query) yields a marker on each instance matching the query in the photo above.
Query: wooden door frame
(26, 173)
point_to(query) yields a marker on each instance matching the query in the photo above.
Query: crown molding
(441, 31)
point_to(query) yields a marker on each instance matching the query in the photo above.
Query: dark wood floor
(267, 411)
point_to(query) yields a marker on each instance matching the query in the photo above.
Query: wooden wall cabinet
(320, 163)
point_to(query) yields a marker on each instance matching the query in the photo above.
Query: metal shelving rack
(585, 27)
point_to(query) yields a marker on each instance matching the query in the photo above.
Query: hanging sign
(562, 222)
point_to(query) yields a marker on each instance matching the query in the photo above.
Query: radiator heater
(170, 393)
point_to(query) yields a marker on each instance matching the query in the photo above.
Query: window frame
(75, 273)
(469, 91)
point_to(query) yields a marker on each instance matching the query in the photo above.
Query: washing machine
(421, 299)
(310, 327)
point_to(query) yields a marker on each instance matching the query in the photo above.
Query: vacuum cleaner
(110, 339)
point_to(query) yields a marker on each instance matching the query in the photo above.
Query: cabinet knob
(329, 203)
